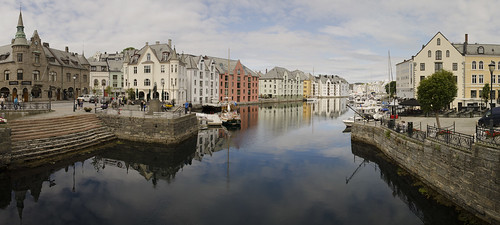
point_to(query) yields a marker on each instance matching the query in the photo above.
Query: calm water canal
(288, 164)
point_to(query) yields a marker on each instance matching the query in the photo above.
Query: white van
(85, 98)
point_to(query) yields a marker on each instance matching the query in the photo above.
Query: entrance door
(25, 95)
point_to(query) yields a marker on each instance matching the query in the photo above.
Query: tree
(126, 49)
(108, 90)
(392, 88)
(131, 94)
(485, 94)
(436, 92)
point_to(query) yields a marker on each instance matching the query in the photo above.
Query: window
(439, 41)
(429, 53)
(52, 76)
(455, 66)
(36, 58)
(422, 78)
(103, 82)
(36, 75)
(147, 69)
(115, 77)
(93, 68)
(480, 50)
(6, 75)
(438, 66)
(481, 65)
(164, 56)
(481, 79)
(148, 57)
(135, 82)
(162, 69)
(68, 77)
(201, 83)
(438, 55)
(474, 79)
(135, 69)
(422, 67)
(96, 82)
(474, 65)
(176, 68)
(147, 82)
(103, 68)
(19, 74)
(493, 80)
(19, 57)
(473, 93)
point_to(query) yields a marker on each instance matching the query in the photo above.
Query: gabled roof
(438, 33)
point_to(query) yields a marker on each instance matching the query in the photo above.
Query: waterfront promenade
(462, 125)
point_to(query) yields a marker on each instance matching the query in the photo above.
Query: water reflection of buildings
(429, 211)
(210, 141)
(330, 107)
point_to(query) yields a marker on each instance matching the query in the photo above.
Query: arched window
(438, 41)
(135, 82)
(480, 65)
(439, 55)
(447, 53)
(429, 53)
(96, 83)
(480, 50)
(103, 82)
(147, 82)
(148, 57)
(474, 65)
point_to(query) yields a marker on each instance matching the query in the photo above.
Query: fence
(444, 135)
(488, 136)
(26, 106)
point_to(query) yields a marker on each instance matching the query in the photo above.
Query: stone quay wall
(152, 129)
(469, 178)
(5, 146)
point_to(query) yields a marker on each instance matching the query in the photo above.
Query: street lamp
(491, 66)
(162, 89)
(74, 92)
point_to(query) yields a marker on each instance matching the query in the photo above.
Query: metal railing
(488, 136)
(450, 137)
(26, 106)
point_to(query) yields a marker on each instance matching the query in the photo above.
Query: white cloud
(262, 34)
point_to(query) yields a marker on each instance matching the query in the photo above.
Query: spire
(20, 36)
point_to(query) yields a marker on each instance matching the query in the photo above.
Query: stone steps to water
(37, 139)
(36, 129)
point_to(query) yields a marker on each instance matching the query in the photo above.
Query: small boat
(229, 115)
(351, 120)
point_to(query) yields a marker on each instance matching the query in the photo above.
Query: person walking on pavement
(2, 101)
(142, 105)
(15, 103)
(190, 107)
(186, 106)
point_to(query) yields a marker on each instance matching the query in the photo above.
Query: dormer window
(164, 56)
(480, 50)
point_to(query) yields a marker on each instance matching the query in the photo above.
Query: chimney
(67, 49)
(170, 43)
(266, 70)
(157, 42)
(45, 44)
(465, 44)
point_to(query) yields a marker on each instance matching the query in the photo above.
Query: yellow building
(477, 73)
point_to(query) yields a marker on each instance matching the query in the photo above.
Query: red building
(239, 83)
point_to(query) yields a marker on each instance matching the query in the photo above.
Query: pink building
(239, 83)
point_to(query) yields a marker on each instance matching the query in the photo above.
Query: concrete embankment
(470, 178)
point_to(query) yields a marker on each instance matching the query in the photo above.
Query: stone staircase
(43, 138)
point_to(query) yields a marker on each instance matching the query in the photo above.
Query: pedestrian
(142, 105)
(2, 101)
(15, 103)
(190, 107)
(186, 106)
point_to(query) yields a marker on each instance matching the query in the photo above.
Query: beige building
(33, 71)
(437, 54)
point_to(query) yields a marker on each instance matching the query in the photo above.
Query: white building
(156, 65)
(280, 83)
(203, 79)
(404, 79)
(331, 86)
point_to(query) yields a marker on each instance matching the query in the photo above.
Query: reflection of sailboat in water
(363, 163)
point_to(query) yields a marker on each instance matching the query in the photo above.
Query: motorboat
(229, 115)
(351, 120)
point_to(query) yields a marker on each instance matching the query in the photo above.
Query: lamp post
(74, 92)
(491, 66)
(162, 90)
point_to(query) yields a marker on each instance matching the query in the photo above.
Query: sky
(349, 38)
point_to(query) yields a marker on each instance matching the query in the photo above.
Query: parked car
(490, 115)
(94, 99)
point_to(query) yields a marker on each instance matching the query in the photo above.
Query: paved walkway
(462, 125)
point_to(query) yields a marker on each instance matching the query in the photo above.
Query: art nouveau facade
(33, 71)
(156, 71)
(280, 83)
